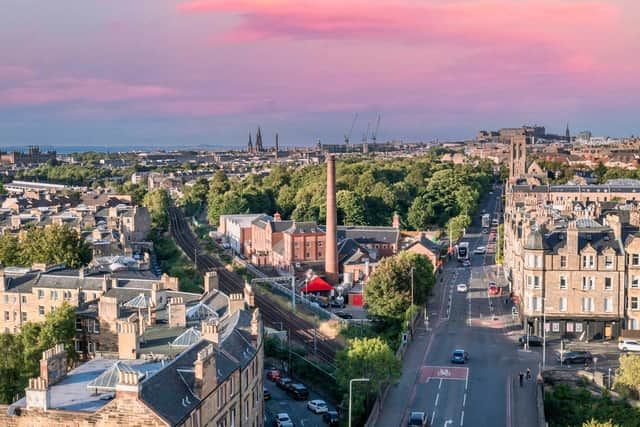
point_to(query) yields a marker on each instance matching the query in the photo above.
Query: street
(478, 392)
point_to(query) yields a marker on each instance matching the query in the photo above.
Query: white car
(317, 406)
(462, 287)
(480, 250)
(283, 420)
(629, 345)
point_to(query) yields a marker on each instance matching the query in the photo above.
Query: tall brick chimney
(331, 254)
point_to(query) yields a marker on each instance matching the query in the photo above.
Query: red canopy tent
(317, 284)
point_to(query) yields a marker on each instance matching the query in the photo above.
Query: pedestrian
(528, 373)
(521, 378)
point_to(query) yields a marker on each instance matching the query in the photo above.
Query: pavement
(480, 392)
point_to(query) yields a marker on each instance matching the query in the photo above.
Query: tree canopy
(628, 374)
(49, 245)
(388, 292)
(157, 201)
(20, 353)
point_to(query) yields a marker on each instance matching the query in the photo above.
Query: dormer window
(635, 260)
(588, 261)
(608, 262)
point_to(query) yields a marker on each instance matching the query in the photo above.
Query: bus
(462, 251)
(486, 220)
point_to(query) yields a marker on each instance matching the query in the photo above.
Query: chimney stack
(210, 331)
(210, 281)
(128, 340)
(177, 313)
(396, 221)
(331, 254)
(205, 372)
(38, 395)
(53, 364)
(277, 216)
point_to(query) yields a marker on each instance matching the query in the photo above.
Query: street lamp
(351, 381)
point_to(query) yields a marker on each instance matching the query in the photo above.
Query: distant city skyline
(207, 72)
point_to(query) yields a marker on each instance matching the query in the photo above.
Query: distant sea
(61, 149)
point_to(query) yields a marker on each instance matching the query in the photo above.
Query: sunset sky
(175, 73)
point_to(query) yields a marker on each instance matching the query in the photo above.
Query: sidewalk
(523, 410)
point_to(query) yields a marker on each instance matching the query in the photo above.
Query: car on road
(485, 231)
(572, 357)
(273, 375)
(466, 263)
(534, 341)
(317, 406)
(462, 287)
(298, 391)
(343, 314)
(337, 302)
(459, 356)
(283, 420)
(493, 289)
(266, 393)
(284, 383)
(480, 250)
(418, 419)
(629, 345)
(331, 418)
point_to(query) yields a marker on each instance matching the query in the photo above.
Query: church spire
(259, 140)
(567, 135)
(250, 144)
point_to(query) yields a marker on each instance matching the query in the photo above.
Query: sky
(181, 73)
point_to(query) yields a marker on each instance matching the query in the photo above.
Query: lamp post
(351, 381)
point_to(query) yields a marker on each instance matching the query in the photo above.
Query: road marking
(433, 416)
(446, 423)
(440, 385)
(508, 402)
(464, 399)
(435, 405)
(462, 418)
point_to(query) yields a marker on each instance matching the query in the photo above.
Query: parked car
(418, 419)
(267, 394)
(331, 418)
(337, 302)
(283, 420)
(462, 287)
(534, 341)
(298, 391)
(273, 375)
(317, 406)
(493, 289)
(571, 357)
(343, 314)
(629, 345)
(466, 263)
(459, 356)
(480, 250)
(284, 383)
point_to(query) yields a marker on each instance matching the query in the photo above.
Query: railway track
(275, 316)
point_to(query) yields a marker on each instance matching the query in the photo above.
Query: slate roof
(368, 235)
(350, 251)
(304, 227)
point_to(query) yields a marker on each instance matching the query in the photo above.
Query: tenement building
(159, 357)
(572, 254)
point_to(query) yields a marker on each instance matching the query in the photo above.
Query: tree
(219, 184)
(57, 244)
(418, 216)
(157, 201)
(388, 292)
(595, 423)
(366, 358)
(628, 374)
(350, 208)
(9, 250)
(456, 225)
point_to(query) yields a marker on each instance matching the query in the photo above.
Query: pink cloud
(13, 72)
(55, 90)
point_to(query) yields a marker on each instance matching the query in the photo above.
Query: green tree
(456, 225)
(9, 250)
(366, 358)
(595, 423)
(388, 292)
(628, 374)
(350, 208)
(419, 216)
(219, 184)
(53, 245)
(157, 201)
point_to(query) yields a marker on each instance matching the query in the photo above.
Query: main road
(477, 393)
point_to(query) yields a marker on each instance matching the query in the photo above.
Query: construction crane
(374, 135)
(353, 123)
(365, 136)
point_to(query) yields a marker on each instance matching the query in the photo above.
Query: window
(587, 261)
(538, 261)
(6, 299)
(633, 324)
(608, 305)
(529, 282)
(78, 324)
(537, 303)
(563, 304)
(635, 281)
(24, 316)
(588, 283)
(587, 305)
(41, 310)
(40, 294)
(563, 261)
(634, 303)
(6, 315)
(608, 262)
(578, 327)
(555, 327)
(536, 282)
(563, 282)
(23, 298)
(54, 295)
(608, 285)
(635, 260)
(96, 327)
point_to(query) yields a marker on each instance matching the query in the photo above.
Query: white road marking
(446, 423)
(433, 416)
(440, 385)
(437, 398)
(464, 399)
(462, 418)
